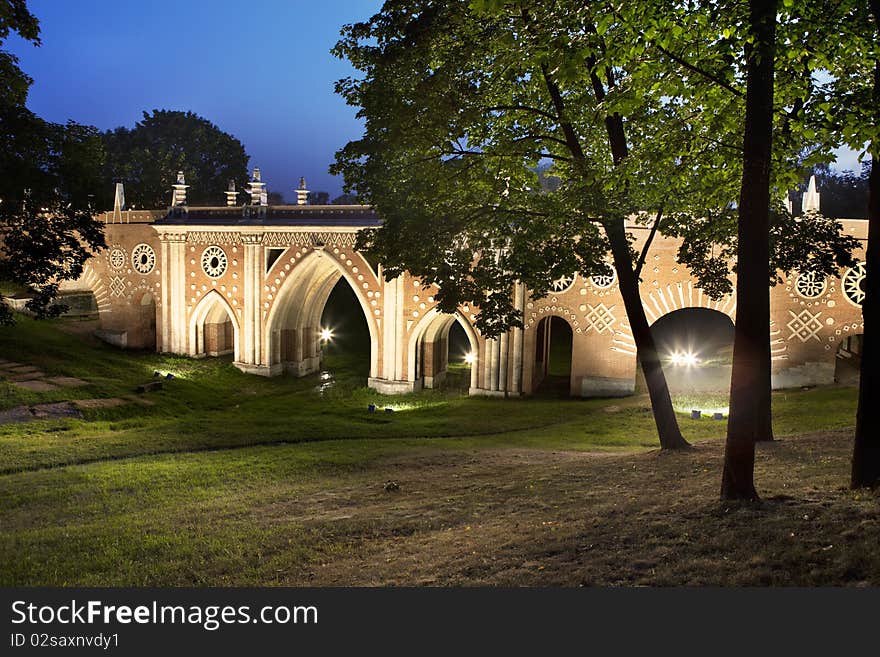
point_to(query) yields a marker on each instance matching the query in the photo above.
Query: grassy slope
(145, 497)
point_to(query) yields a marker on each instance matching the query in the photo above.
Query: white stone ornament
(143, 258)
(562, 283)
(117, 258)
(600, 318)
(603, 281)
(810, 284)
(214, 261)
(117, 286)
(853, 284)
(804, 326)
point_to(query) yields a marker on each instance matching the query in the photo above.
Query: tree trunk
(764, 432)
(661, 402)
(751, 347)
(866, 449)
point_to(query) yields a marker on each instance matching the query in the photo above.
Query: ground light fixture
(326, 335)
(469, 358)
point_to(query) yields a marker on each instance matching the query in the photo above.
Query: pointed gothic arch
(292, 326)
(213, 327)
(427, 350)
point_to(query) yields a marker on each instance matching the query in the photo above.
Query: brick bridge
(212, 281)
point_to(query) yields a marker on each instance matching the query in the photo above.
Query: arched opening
(553, 353)
(344, 335)
(444, 353)
(696, 348)
(147, 321)
(213, 329)
(848, 364)
(318, 313)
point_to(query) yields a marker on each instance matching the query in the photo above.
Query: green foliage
(631, 109)
(50, 172)
(15, 17)
(147, 158)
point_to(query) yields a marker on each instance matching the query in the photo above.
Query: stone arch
(292, 330)
(432, 329)
(91, 281)
(145, 308)
(695, 344)
(209, 326)
(678, 295)
(542, 345)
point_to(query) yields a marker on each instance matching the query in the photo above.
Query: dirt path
(559, 518)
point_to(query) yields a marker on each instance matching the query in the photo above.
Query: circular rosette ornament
(854, 284)
(214, 261)
(810, 284)
(143, 258)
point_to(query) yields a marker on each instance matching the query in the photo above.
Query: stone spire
(118, 203)
(810, 202)
(302, 193)
(178, 192)
(231, 194)
(786, 201)
(257, 189)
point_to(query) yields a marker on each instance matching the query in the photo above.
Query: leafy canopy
(50, 173)
(471, 107)
(147, 158)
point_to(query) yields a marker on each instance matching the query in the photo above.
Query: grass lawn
(223, 478)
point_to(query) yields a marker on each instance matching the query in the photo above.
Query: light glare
(684, 359)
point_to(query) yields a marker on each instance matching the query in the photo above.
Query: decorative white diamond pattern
(811, 284)
(117, 286)
(600, 318)
(143, 258)
(804, 326)
(214, 261)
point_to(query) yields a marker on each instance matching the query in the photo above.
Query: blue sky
(260, 70)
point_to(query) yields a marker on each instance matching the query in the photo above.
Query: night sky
(260, 70)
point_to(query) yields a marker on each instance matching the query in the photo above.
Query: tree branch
(644, 254)
(696, 69)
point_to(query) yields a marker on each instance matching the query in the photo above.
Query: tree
(51, 173)
(275, 198)
(461, 107)
(319, 198)
(854, 115)
(147, 158)
(346, 199)
(717, 46)
(751, 347)
(466, 105)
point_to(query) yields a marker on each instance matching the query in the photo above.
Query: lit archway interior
(318, 312)
(553, 355)
(214, 331)
(696, 348)
(444, 353)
